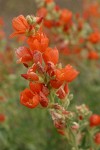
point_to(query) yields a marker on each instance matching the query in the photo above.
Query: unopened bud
(31, 19)
(70, 97)
(40, 68)
(75, 126)
(51, 6)
(25, 76)
(60, 66)
(61, 93)
(55, 115)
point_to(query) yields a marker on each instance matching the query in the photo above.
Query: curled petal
(33, 76)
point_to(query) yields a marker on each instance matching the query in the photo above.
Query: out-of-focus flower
(94, 37)
(93, 55)
(42, 12)
(2, 34)
(2, 118)
(66, 16)
(94, 120)
(97, 138)
(21, 38)
(48, 1)
(48, 23)
(1, 22)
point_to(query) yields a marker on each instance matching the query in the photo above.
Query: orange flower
(97, 138)
(29, 99)
(42, 12)
(42, 92)
(51, 55)
(93, 55)
(66, 74)
(66, 16)
(2, 118)
(20, 25)
(39, 42)
(1, 21)
(2, 34)
(24, 54)
(34, 96)
(60, 74)
(2, 99)
(48, 23)
(94, 120)
(48, 1)
(94, 10)
(35, 87)
(39, 87)
(70, 73)
(94, 37)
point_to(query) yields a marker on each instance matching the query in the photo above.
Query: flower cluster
(73, 34)
(46, 77)
(48, 84)
(94, 121)
(91, 12)
(77, 126)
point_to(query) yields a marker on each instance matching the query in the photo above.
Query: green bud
(31, 19)
(51, 6)
(28, 18)
(59, 66)
(37, 27)
(70, 97)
